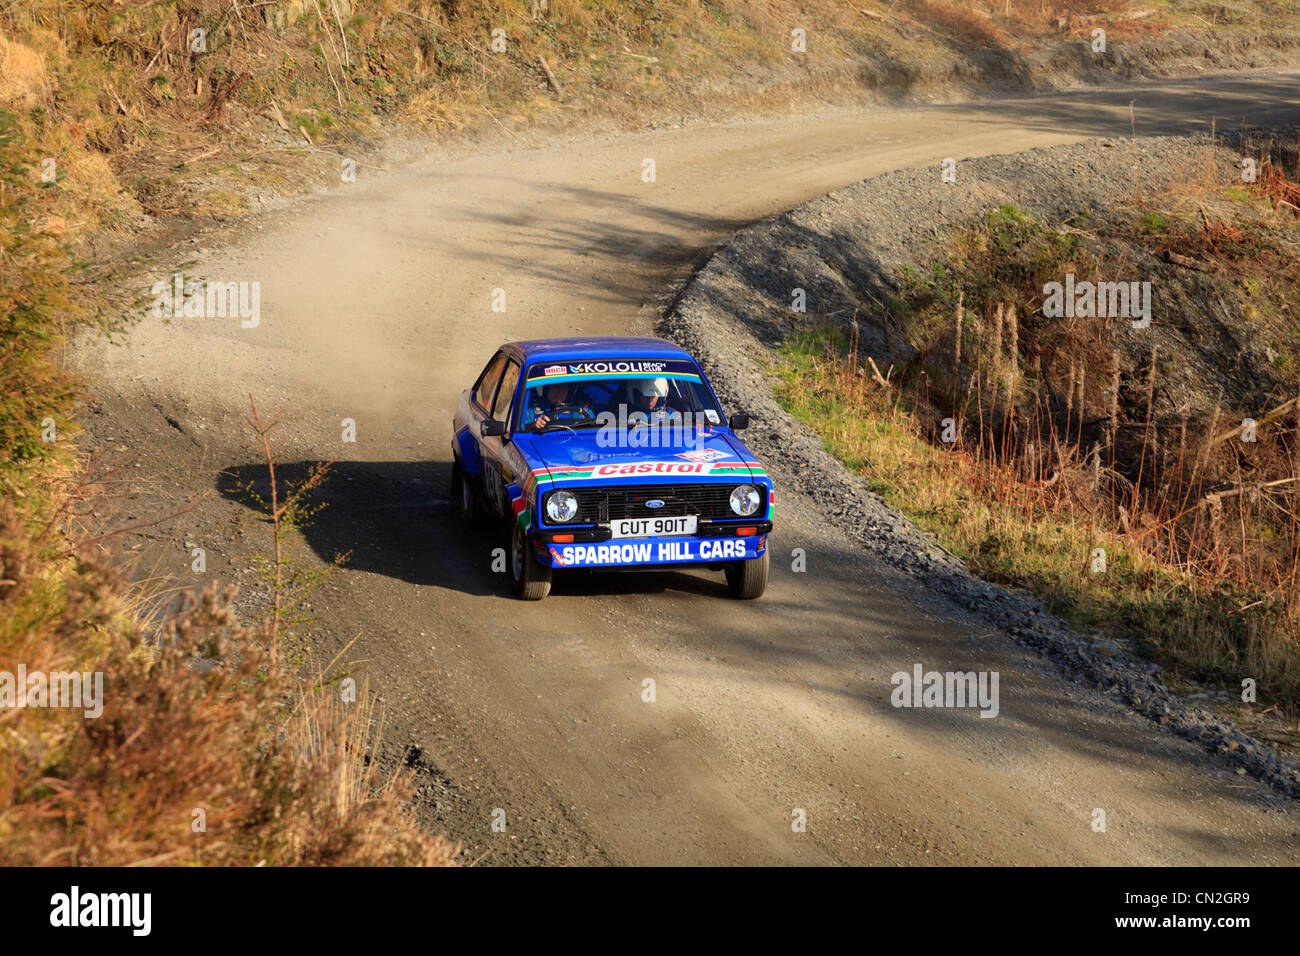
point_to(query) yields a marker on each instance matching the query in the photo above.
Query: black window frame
(704, 381)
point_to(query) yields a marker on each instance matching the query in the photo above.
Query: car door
(494, 446)
(478, 409)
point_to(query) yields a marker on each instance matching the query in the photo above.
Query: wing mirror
(490, 426)
(738, 421)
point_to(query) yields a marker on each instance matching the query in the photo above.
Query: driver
(554, 402)
(650, 398)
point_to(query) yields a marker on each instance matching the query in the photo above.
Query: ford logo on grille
(654, 503)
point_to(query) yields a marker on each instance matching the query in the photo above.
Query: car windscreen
(618, 393)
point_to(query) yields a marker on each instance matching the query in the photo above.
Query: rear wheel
(532, 578)
(748, 579)
(462, 494)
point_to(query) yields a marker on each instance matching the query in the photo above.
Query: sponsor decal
(712, 416)
(650, 468)
(517, 464)
(613, 369)
(616, 368)
(704, 455)
(519, 501)
(616, 471)
(653, 552)
(582, 457)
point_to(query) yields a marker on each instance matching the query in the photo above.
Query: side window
(487, 382)
(507, 391)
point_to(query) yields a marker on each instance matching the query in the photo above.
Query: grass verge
(1029, 447)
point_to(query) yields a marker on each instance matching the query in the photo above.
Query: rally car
(609, 453)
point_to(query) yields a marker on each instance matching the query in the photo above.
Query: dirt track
(376, 307)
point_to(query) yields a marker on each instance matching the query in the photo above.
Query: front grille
(599, 505)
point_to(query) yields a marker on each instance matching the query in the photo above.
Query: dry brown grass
(1058, 453)
(210, 749)
(23, 83)
(1174, 583)
(122, 82)
(1016, 24)
(200, 713)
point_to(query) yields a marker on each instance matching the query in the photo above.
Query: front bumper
(649, 552)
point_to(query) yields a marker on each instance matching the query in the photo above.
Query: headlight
(561, 507)
(745, 500)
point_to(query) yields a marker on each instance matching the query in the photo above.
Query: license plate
(652, 527)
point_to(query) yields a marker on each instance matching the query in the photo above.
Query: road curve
(376, 306)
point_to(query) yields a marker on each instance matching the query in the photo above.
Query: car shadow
(587, 583)
(394, 518)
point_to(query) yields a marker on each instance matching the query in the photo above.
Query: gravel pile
(736, 310)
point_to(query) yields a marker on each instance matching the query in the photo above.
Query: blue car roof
(600, 346)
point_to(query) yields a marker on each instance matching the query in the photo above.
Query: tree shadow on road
(849, 623)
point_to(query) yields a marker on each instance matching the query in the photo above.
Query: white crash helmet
(651, 387)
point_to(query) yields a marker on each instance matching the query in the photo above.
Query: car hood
(578, 457)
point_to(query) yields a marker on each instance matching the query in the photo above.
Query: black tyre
(462, 496)
(748, 579)
(532, 578)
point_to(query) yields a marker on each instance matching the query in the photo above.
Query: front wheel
(748, 579)
(532, 578)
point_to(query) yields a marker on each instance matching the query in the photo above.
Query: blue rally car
(610, 453)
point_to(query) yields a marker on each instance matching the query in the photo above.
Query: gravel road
(854, 241)
(376, 306)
